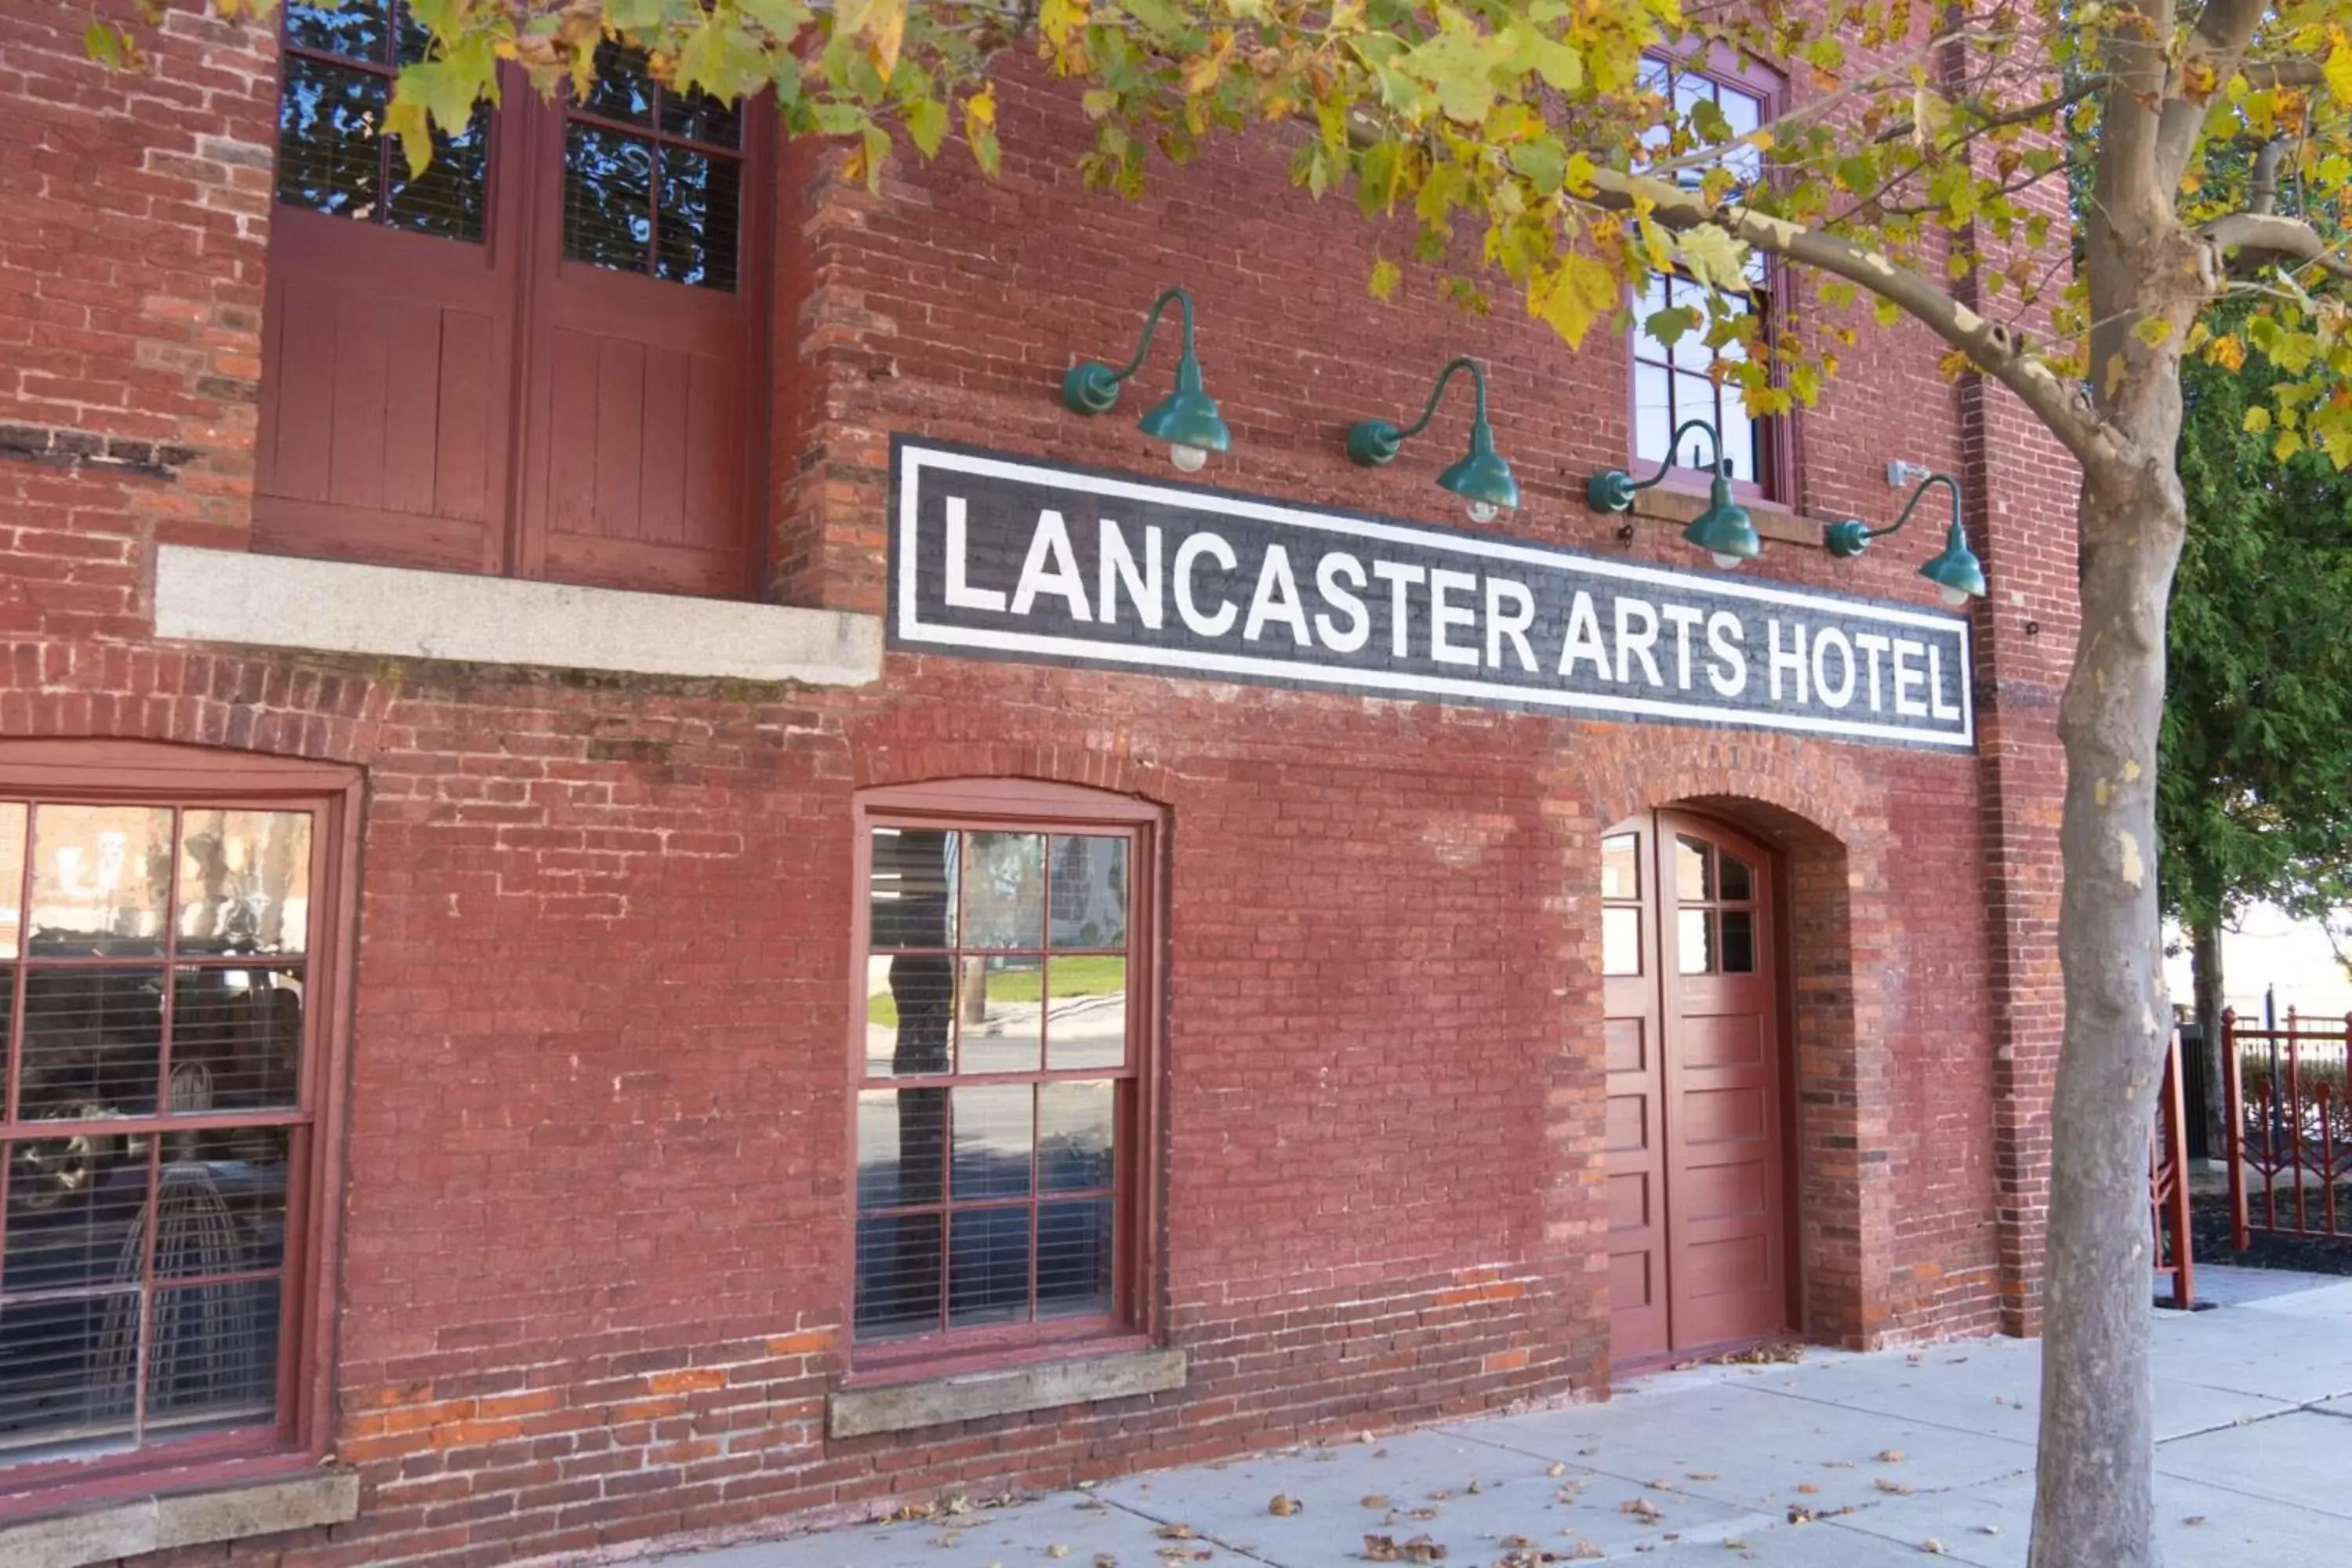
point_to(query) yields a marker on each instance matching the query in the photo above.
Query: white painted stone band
(279, 601)
(1085, 1379)
(157, 1522)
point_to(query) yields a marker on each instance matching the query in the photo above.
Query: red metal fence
(2168, 1184)
(2290, 1125)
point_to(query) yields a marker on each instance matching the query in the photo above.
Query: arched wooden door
(1699, 1204)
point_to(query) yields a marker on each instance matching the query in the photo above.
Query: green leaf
(927, 124)
(1386, 276)
(1543, 162)
(2257, 420)
(103, 43)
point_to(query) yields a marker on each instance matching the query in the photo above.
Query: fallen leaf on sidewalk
(1057, 1550)
(1175, 1532)
(1641, 1508)
(1388, 1549)
(1932, 1547)
(1376, 1499)
(2194, 1519)
(1896, 1488)
(1891, 1457)
(1702, 1475)
(1283, 1506)
(1556, 1468)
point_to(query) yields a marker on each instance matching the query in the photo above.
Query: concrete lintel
(157, 1522)
(339, 606)
(904, 1406)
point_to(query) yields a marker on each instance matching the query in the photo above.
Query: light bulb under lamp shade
(1188, 460)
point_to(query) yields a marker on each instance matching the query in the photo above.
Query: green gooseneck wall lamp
(1481, 479)
(1957, 572)
(1724, 530)
(1187, 418)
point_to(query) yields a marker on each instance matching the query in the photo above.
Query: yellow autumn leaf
(1710, 253)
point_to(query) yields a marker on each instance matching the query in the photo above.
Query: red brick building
(608, 935)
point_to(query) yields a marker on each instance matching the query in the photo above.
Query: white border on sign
(913, 458)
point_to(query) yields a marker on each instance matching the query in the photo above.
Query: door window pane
(1739, 941)
(695, 239)
(1739, 883)
(1693, 877)
(1621, 867)
(608, 215)
(1694, 941)
(642, 200)
(356, 29)
(1620, 942)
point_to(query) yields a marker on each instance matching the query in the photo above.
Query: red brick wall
(594, 1265)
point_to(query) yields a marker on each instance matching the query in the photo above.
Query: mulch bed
(2209, 1224)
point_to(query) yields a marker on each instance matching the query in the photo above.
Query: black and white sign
(997, 556)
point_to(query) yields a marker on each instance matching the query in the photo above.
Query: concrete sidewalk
(1840, 1461)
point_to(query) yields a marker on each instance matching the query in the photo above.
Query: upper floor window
(164, 960)
(541, 357)
(1685, 380)
(1002, 1070)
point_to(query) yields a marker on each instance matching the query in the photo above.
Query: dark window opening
(652, 178)
(332, 156)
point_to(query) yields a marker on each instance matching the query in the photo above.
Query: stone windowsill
(158, 1521)
(1004, 1391)
(339, 607)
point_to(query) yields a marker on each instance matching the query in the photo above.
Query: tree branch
(2261, 239)
(1990, 344)
(2216, 47)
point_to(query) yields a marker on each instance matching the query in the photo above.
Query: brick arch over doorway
(1835, 925)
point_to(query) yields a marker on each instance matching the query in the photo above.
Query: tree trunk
(2205, 985)
(2093, 1504)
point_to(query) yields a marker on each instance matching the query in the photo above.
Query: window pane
(899, 1274)
(1089, 892)
(1074, 1136)
(1738, 883)
(1738, 437)
(93, 1043)
(1739, 941)
(1003, 1023)
(910, 1013)
(607, 198)
(355, 27)
(698, 117)
(1621, 867)
(12, 876)
(245, 881)
(1693, 944)
(1073, 1259)
(69, 1381)
(988, 1267)
(902, 1138)
(912, 896)
(700, 200)
(327, 144)
(1086, 1023)
(220, 1202)
(1620, 942)
(237, 1038)
(1693, 876)
(212, 1354)
(450, 199)
(994, 1142)
(623, 90)
(1654, 412)
(1004, 891)
(75, 1207)
(101, 873)
(1694, 399)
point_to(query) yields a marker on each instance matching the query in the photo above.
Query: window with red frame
(1680, 381)
(160, 961)
(1001, 1073)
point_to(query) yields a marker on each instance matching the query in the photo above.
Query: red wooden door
(1698, 1202)
(543, 358)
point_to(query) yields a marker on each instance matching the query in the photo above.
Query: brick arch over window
(967, 761)
(1836, 918)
